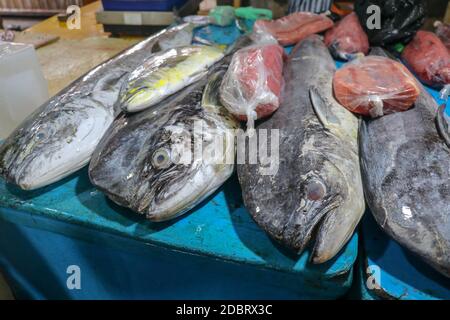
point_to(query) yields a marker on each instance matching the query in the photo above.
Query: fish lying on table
(138, 164)
(60, 137)
(406, 173)
(164, 74)
(317, 190)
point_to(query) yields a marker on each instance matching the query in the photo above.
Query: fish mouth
(318, 211)
(204, 183)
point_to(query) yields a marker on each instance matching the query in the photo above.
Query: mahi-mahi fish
(60, 136)
(164, 74)
(138, 164)
(317, 190)
(406, 172)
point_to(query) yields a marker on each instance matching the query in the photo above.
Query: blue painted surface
(402, 274)
(220, 229)
(220, 35)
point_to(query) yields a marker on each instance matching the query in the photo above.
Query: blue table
(215, 251)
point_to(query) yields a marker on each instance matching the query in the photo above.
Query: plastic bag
(399, 20)
(347, 38)
(443, 32)
(295, 27)
(429, 59)
(222, 16)
(374, 86)
(252, 86)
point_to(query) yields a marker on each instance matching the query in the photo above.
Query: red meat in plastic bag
(375, 86)
(428, 58)
(347, 38)
(295, 27)
(443, 32)
(253, 83)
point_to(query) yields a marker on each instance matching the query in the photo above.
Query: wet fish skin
(124, 165)
(317, 190)
(406, 173)
(60, 136)
(166, 73)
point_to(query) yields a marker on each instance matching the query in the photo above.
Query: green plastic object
(251, 13)
(399, 47)
(222, 15)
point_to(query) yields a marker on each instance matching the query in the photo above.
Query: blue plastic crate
(142, 5)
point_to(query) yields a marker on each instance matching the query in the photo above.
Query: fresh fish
(60, 137)
(164, 74)
(317, 190)
(138, 163)
(406, 172)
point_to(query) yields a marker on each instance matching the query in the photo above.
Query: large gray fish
(317, 190)
(139, 163)
(60, 137)
(406, 174)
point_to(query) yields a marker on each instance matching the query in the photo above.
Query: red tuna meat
(295, 27)
(428, 58)
(347, 37)
(375, 86)
(254, 81)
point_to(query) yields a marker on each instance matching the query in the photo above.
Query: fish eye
(315, 191)
(161, 159)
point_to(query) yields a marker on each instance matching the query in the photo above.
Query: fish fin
(322, 109)
(442, 124)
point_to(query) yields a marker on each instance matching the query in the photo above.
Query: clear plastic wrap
(347, 38)
(252, 86)
(374, 86)
(443, 32)
(295, 27)
(429, 59)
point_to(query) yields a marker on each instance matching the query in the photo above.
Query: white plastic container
(23, 87)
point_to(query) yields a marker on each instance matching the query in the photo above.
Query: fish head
(322, 191)
(149, 163)
(52, 146)
(332, 204)
(173, 178)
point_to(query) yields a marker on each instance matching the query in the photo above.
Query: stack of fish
(152, 121)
